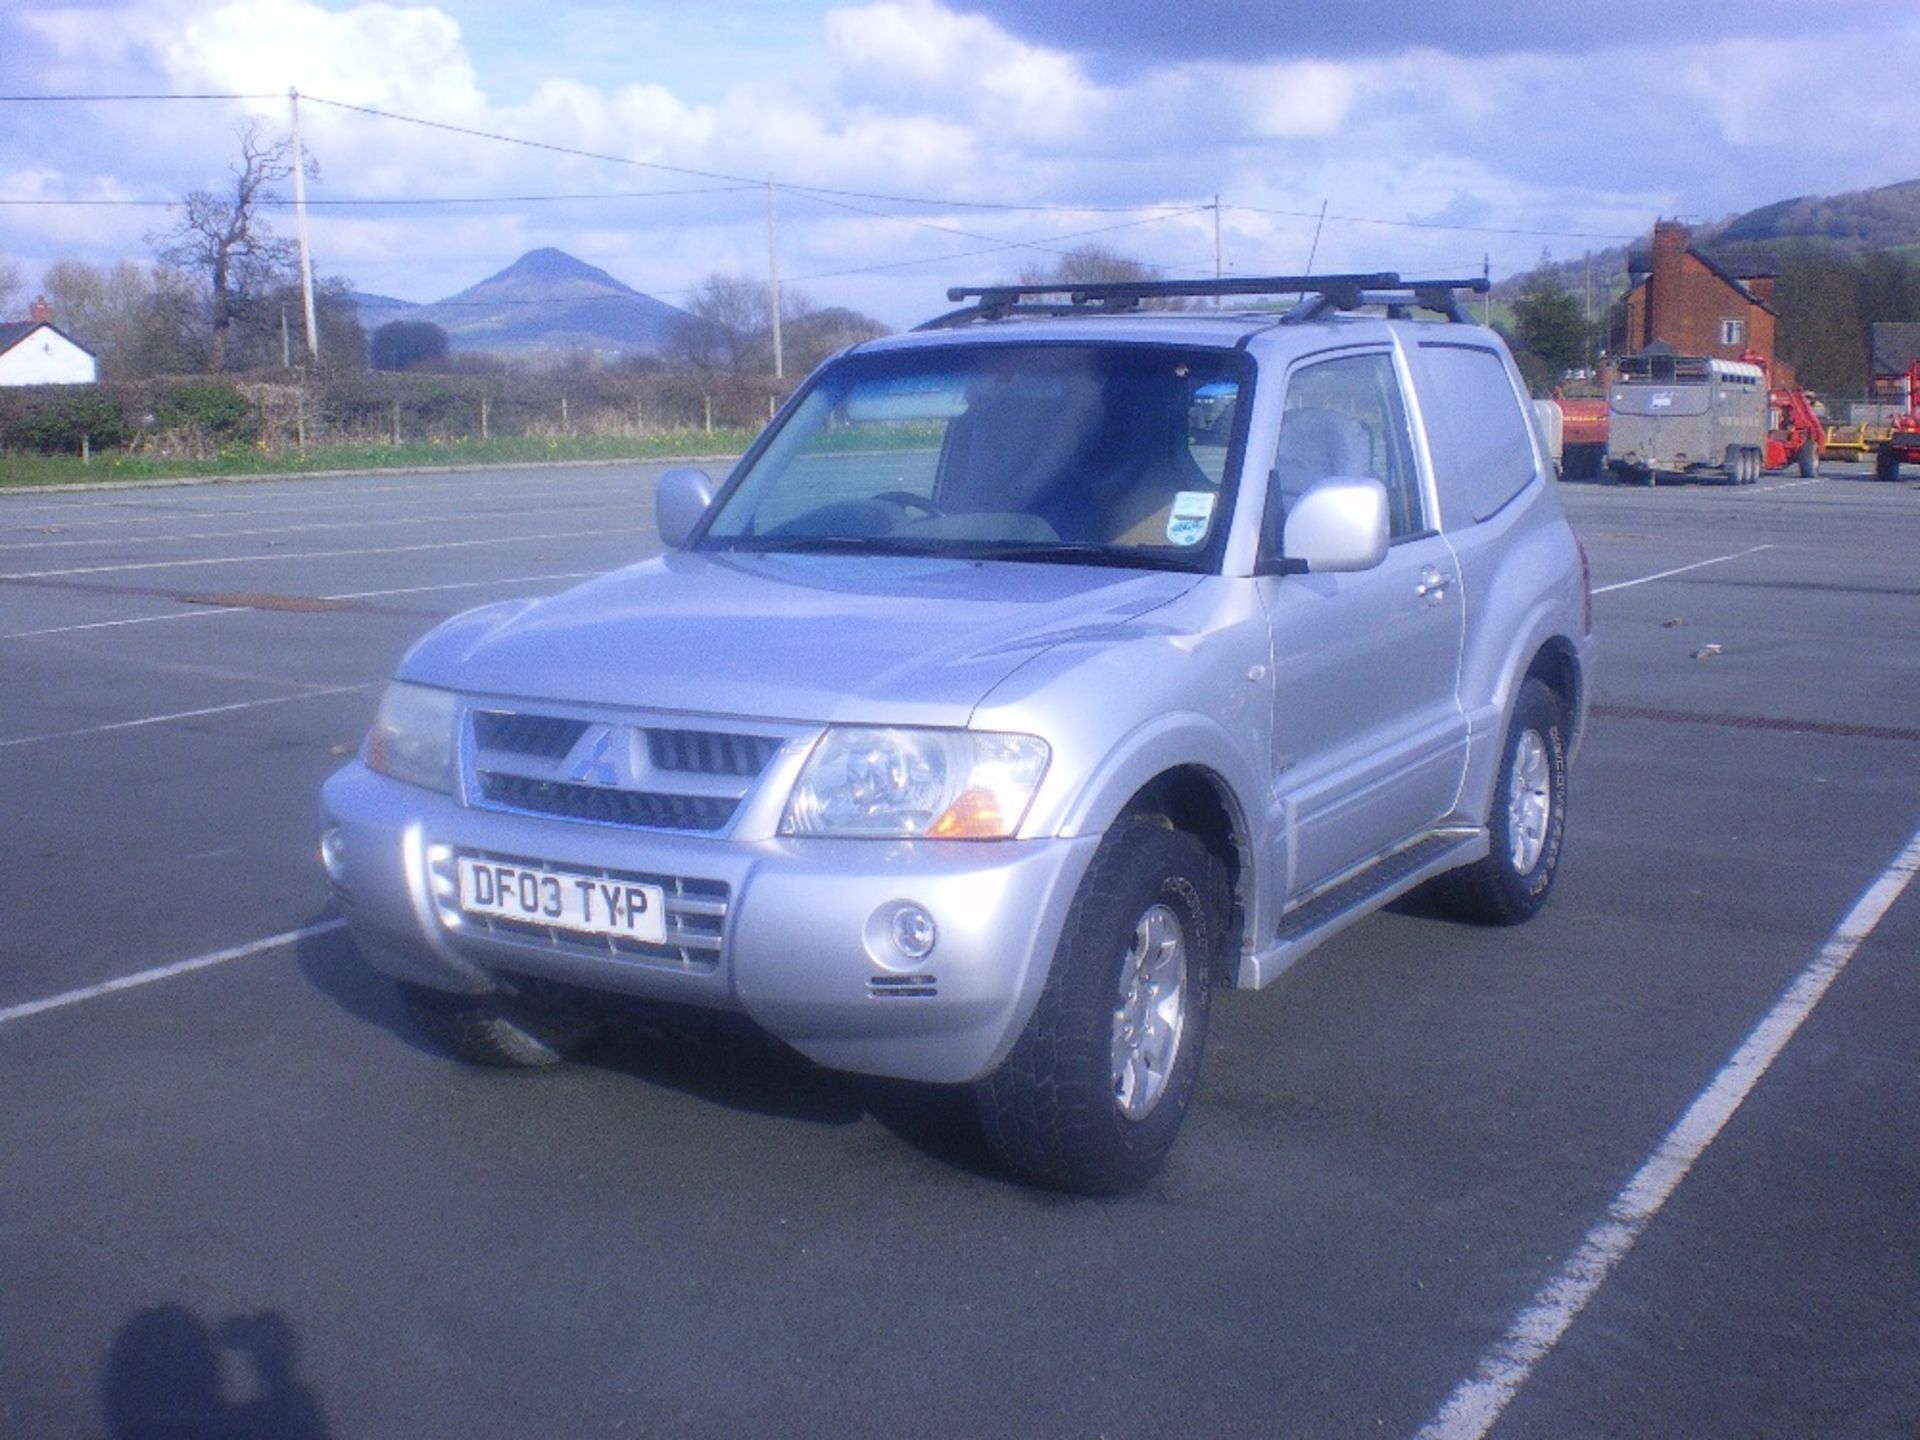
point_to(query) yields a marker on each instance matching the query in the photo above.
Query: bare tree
(1086, 265)
(725, 316)
(9, 286)
(223, 238)
(138, 321)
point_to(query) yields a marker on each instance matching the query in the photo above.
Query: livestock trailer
(1692, 417)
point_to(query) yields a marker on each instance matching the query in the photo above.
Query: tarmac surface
(1647, 1166)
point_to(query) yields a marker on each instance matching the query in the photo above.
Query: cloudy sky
(920, 143)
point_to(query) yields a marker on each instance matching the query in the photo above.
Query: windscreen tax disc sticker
(1187, 522)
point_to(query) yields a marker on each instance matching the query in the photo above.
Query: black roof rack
(1319, 295)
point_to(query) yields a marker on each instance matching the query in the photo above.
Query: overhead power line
(997, 241)
(76, 99)
(743, 182)
(373, 201)
(1433, 225)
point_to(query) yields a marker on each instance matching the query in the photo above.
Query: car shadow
(722, 1060)
(332, 965)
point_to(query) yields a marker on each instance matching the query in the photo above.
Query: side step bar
(1332, 911)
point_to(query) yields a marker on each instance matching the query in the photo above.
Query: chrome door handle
(1433, 585)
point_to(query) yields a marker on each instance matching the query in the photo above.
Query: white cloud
(371, 54)
(906, 97)
(914, 54)
(1308, 98)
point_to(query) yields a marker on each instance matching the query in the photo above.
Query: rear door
(1369, 740)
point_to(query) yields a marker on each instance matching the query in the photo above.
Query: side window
(1348, 417)
(1482, 443)
(1211, 408)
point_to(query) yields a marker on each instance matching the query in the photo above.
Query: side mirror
(1340, 523)
(679, 501)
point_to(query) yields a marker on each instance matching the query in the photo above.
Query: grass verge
(25, 471)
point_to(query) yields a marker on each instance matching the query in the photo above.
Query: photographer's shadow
(165, 1380)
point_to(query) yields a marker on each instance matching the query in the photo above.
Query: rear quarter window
(1483, 453)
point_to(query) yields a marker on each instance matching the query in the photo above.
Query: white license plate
(585, 904)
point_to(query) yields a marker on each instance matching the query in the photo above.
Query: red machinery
(1583, 433)
(1795, 431)
(1904, 443)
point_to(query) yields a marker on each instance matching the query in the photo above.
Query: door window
(1347, 416)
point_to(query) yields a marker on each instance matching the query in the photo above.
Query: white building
(34, 352)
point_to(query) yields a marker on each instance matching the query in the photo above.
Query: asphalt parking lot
(1587, 1169)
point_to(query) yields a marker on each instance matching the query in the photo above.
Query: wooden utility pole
(773, 281)
(1217, 268)
(300, 227)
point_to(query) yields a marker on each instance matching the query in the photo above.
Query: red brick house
(1694, 306)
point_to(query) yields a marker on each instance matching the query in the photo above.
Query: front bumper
(783, 930)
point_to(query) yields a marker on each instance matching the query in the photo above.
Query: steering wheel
(907, 500)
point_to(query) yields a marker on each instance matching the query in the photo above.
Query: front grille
(706, 752)
(614, 772)
(610, 807)
(548, 736)
(696, 913)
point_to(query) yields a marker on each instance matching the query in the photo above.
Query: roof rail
(1320, 294)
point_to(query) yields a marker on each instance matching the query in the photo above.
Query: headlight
(412, 736)
(943, 784)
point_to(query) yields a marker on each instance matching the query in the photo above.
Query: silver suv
(1032, 674)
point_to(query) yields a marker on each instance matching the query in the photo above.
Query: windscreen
(1120, 454)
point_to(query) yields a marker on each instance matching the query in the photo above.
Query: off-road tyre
(1498, 890)
(1809, 459)
(498, 1028)
(1886, 464)
(1052, 1113)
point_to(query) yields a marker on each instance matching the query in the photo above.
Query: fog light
(899, 935)
(333, 854)
(913, 932)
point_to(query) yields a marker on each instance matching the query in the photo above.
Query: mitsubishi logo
(599, 757)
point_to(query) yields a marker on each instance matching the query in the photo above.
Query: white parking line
(200, 613)
(358, 522)
(347, 595)
(182, 715)
(1680, 570)
(464, 585)
(597, 531)
(166, 972)
(163, 504)
(1478, 1401)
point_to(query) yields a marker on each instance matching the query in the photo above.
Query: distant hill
(376, 310)
(1887, 218)
(1882, 219)
(546, 302)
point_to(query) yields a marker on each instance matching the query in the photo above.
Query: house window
(1733, 332)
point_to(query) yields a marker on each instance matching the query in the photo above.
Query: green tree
(810, 337)
(270, 333)
(1548, 320)
(408, 345)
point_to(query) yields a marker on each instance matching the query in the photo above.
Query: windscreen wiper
(1067, 553)
(826, 545)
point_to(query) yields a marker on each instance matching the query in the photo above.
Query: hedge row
(199, 417)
